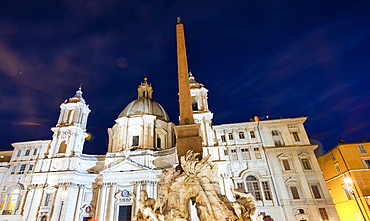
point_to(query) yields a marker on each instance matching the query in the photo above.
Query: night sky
(256, 58)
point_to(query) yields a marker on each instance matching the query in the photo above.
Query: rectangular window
(316, 192)
(223, 138)
(323, 214)
(30, 167)
(234, 154)
(135, 141)
(124, 213)
(278, 143)
(257, 153)
(194, 106)
(362, 149)
(252, 134)
(239, 185)
(296, 136)
(254, 189)
(226, 152)
(266, 190)
(13, 170)
(159, 142)
(332, 156)
(48, 199)
(367, 164)
(245, 154)
(286, 164)
(294, 191)
(306, 164)
(231, 136)
(241, 135)
(337, 167)
(22, 168)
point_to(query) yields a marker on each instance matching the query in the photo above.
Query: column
(57, 203)
(69, 206)
(137, 194)
(36, 202)
(102, 199)
(111, 201)
(79, 201)
(29, 200)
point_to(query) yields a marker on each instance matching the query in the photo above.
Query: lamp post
(349, 184)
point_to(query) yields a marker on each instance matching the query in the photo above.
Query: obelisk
(188, 133)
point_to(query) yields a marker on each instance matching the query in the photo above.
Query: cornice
(290, 148)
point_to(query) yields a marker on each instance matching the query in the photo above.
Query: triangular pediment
(125, 165)
(303, 155)
(284, 155)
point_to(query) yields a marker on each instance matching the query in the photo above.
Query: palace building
(54, 179)
(349, 162)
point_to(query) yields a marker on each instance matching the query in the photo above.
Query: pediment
(284, 155)
(303, 155)
(124, 166)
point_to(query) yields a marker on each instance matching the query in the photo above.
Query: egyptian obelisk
(188, 132)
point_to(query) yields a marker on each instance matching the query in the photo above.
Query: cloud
(27, 123)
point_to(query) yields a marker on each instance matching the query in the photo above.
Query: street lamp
(349, 184)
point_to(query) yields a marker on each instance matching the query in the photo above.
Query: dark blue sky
(277, 58)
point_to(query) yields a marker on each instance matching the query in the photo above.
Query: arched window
(27, 153)
(13, 202)
(253, 187)
(63, 147)
(35, 152)
(19, 153)
(241, 135)
(252, 134)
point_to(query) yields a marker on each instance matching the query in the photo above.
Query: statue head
(143, 194)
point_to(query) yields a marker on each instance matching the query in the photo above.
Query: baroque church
(54, 180)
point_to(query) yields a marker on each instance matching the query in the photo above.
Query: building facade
(343, 162)
(54, 179)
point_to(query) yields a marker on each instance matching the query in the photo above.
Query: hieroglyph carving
(196, 183)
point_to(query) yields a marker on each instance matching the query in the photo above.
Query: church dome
(144, 104)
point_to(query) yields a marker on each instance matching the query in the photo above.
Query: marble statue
(195, 182)
(145, 208)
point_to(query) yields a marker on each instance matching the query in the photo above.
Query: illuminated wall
(348, 160)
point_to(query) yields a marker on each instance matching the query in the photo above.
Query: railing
(7, 212)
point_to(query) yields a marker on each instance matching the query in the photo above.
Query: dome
(144, 105)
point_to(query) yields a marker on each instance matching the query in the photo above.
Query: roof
(144, 105)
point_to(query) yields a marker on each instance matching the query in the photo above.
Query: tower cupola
(74, 111)
(145, 90)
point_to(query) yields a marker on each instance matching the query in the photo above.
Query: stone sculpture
(195, 182)
(145, 208)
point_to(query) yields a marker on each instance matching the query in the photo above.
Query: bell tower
(188, 132)
(201, 113)
(70, 131)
